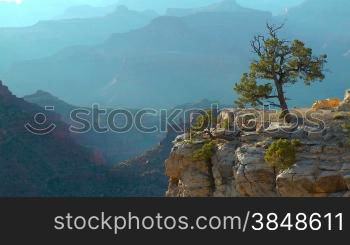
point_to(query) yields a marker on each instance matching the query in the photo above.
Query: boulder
(226, 116)
(345, 105)
(254, 178)
(297, 181)
(326, 104)
(191, 178)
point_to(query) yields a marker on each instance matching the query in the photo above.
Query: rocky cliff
(237, 165)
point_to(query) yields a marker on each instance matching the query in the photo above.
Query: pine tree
(280, 62)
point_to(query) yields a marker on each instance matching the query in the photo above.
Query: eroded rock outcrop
(188, 177)
(237, 166)
(253, 176)
(345, 105)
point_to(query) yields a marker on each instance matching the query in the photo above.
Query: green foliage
(205, 153)
(250, 92)
(225, 124)
(205, 121)
(281, 154)
(191, 135)
(281, 62)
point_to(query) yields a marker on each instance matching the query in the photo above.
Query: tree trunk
(282, 100)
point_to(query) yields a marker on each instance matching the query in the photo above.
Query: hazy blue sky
(26, 12)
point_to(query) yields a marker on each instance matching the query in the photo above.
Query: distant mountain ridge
(48, 37)
(40, 165)
(221, 6)
(54, 165)
(137, 68)
(112, 147)
(85, 11)
(176, 59)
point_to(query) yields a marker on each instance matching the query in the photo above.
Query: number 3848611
(299, 222)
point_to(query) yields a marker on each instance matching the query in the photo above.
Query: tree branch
(274, 104)
(273, 29)
(257, 44)
(271, 97)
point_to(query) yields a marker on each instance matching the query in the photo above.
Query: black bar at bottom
(263, 220)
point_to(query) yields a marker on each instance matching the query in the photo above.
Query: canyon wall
(237, 167)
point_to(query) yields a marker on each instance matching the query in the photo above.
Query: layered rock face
(189, 178)
(237, 167)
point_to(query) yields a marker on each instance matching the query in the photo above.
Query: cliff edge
(232, 162)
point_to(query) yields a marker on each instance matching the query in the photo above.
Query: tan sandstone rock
(254, 178)
(238, 168)
(188, 178)
(223, 162)
(345, 104)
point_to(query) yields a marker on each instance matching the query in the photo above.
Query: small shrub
(225, 124)
(205, 121)
(281, 154)
(205, 153)
(190, 135)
